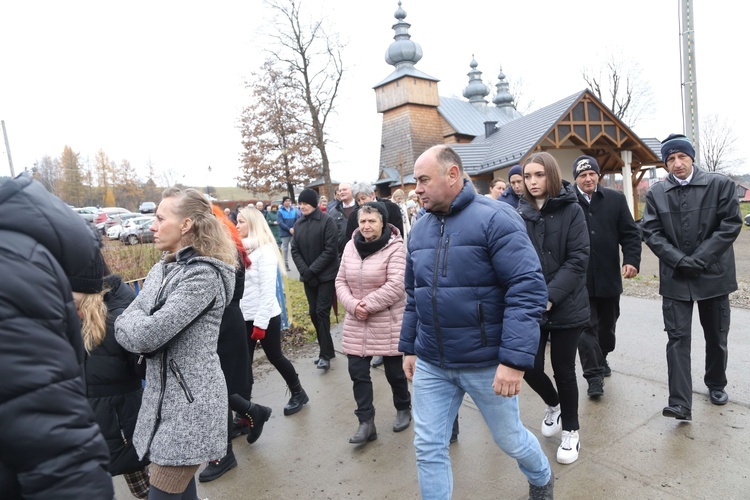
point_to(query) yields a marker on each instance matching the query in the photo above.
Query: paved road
(629, 451)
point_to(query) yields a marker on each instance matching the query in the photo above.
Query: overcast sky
(163, 81)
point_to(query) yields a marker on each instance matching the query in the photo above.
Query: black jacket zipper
(181, 380)
(434, 291)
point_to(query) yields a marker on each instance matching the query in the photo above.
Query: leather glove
(306, 275)
(258, 333)
(689, 267)
(313, 282)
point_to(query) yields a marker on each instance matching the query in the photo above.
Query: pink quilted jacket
(379, 282)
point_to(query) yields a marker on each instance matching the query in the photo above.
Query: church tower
(408, 100)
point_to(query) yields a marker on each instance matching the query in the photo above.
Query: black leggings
(562, 350)
(271, 344)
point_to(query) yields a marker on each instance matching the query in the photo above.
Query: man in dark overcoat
(610, 226)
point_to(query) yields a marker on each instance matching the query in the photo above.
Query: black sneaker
(545, 492)
(217, 468)
(596, 389)
(607, 369)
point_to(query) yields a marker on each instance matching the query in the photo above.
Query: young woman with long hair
(557, 228)
(259, 305)
(113, 383)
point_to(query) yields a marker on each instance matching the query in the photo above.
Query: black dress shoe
(677, 411)
(323, 364)
(718, 396)
(403, 419)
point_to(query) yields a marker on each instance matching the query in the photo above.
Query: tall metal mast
(689, 74)
(7, 148)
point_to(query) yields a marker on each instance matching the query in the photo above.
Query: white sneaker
(567, 453)
(551, 424)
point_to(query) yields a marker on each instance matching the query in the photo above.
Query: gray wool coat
(184, 382)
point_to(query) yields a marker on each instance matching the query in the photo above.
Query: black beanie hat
(676, 143)
(308, 196)
(380, 207)
(91, 279)
(515, 170)
(583, 163)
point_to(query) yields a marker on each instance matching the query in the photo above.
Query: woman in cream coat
(370, 286)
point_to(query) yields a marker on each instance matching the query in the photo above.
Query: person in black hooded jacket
(50, 444)
(557, 228)
(113, 381)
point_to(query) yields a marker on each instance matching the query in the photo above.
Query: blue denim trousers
(437, 396)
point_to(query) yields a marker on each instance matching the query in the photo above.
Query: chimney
(489, 128)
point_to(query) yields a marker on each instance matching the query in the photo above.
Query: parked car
(747, 220)
(113, 220)
(138, 232)
(88, 213)
(147, 207)
(104, 212)
(126, 220)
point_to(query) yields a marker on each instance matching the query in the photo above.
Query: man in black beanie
(610, 226)
(315, 253)
(691, 221)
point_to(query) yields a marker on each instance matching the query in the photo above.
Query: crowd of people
(456, 292)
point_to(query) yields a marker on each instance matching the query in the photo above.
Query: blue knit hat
(583, 163)
(676, 143)
(515, 170)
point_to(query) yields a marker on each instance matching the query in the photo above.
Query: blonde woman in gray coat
(174, 322)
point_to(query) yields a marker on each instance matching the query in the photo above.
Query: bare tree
(47, 171)
(717, 145)
(315, 58)
(279, 149)
(619, 84)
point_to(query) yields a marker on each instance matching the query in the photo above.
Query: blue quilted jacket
(475, 290)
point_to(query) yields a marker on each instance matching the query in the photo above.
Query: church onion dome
(502, 97)
(476, 91)
(403, 51)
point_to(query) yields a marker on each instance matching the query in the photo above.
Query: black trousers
(271, 344)
(319, 301)
(359, 371)
(562, 351)
(598, 337)
(714, 316)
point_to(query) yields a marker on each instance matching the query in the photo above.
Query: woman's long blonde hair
(261, 233)
(93, 313)
(207, 235)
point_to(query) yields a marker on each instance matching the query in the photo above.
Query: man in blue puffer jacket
(475, 297)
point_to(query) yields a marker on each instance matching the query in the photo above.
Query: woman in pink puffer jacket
(370, 286)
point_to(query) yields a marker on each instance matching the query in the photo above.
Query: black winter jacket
(700, 220)
(50, 444)
(558, 233)
(113, 385)
(315, 246)
(610, 226)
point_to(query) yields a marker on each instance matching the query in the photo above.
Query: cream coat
(377, 280)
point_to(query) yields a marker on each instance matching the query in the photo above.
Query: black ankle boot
(255, 414)
(217, 468)
(365, 432)
(297, 401)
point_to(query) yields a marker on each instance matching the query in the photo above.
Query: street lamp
(208, 194)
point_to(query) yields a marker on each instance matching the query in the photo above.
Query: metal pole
(689, 75)
(7, 148)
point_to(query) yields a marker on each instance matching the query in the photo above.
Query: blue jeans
(437, 395)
